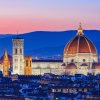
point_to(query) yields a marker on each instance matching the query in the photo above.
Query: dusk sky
(48, 15)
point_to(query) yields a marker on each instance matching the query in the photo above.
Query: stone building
(28, 65)
(18, 56)
(6, 64)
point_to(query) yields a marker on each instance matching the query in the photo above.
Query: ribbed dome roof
(71, 66)
(80, 44)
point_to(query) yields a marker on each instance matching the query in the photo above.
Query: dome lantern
(80, 30)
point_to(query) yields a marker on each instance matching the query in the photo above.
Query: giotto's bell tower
(18, 56)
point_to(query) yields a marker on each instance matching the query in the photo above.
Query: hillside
(46, 44)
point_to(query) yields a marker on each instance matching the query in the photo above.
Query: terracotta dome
(95, 66)
(71, 66)
(80, 44)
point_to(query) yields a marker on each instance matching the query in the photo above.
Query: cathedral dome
(79, 44)
(71, 66)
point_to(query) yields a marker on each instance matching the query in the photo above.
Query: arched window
(26, 62)
(20, 51)
(16, 51)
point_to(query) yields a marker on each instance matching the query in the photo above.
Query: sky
(48, 15)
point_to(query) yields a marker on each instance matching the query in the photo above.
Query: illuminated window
(26, 62)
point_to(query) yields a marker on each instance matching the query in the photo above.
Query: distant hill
(46, 44)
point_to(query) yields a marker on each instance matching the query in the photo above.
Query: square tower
(18, 56)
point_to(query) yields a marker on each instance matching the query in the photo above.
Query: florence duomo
(49, 49)
(80, 57)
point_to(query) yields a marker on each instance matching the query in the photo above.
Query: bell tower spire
(6, 64)
(80, 30)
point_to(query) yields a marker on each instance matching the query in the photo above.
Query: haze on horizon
(48, 15)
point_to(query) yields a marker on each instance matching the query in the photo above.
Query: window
(20, 51)
(16, 44)
(20, 67)
(16, 51)
(72, 60)
(16, 60)
(84, 60)
(16, 67)
(26, 62)
(93, 60)
(20, 60)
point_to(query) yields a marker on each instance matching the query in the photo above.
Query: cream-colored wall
(78, 61)
(80, 56)
(89, 59)
(40, 68)
(47, 67)
(46, 64)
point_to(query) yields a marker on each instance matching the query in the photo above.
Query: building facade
(39, 67)
(28, 65)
